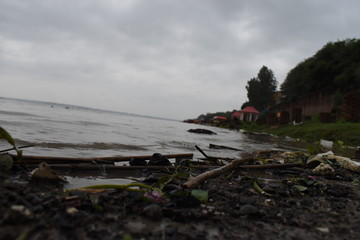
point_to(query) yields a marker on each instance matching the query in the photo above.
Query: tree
(253, 93)
(335, 67)
(268, 85)
(260, 90)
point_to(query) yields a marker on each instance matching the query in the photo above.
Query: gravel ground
(297, 205)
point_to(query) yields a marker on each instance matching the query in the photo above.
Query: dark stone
(137, 162)
(170, 230)
(159, 160)
(186, 202)
(38, 208)
(153, 211)
(357, 154)
(248, 209)
(150, 180)
(33, 198)
(337, 191)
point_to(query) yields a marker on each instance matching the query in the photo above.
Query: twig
(201, 151)
(9, 149)
(215, 172)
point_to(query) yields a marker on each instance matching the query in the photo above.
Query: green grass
(313, 131)
(349, 133)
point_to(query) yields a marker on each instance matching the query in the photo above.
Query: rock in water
(159, 160)
(137, 162)
(201, 131)
(44, 172)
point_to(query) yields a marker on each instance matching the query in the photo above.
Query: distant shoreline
(63, 105)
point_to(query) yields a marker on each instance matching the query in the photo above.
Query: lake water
(70, 131)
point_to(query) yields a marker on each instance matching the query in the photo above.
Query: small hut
(219, 119)
(248, 114)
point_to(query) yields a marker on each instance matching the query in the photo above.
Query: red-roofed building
(247, 114)
(218, 119)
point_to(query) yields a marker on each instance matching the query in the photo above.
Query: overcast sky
(168, 58)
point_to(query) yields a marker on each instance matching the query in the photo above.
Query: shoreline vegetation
(320, 95)
(311, 132)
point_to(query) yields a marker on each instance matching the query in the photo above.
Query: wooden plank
(110, 160)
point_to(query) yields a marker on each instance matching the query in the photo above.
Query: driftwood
(215, 172)
(86, 167)
(214, 146)
(110, 160)
(211, 158)
(201, 151)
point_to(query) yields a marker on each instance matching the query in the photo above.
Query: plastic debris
(326, 144)
(327, 157)
(44, 172)
(293, 157)
(324, 168)
(323, 229)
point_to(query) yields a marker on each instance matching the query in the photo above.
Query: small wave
(17, 113)
(177, 145)
(87, 123)
(93, 146)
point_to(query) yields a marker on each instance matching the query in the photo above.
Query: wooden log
(214, 146)
(73, 168)
(215, 172)
(110, 160)
(83, 168)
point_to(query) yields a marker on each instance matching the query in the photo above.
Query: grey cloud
(168, 58)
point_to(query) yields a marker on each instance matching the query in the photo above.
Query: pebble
(248, 209)
(337, 191)
(153, 211)
(6, 163)
(72, 210)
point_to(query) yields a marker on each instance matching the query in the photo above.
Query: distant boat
(66, 107)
